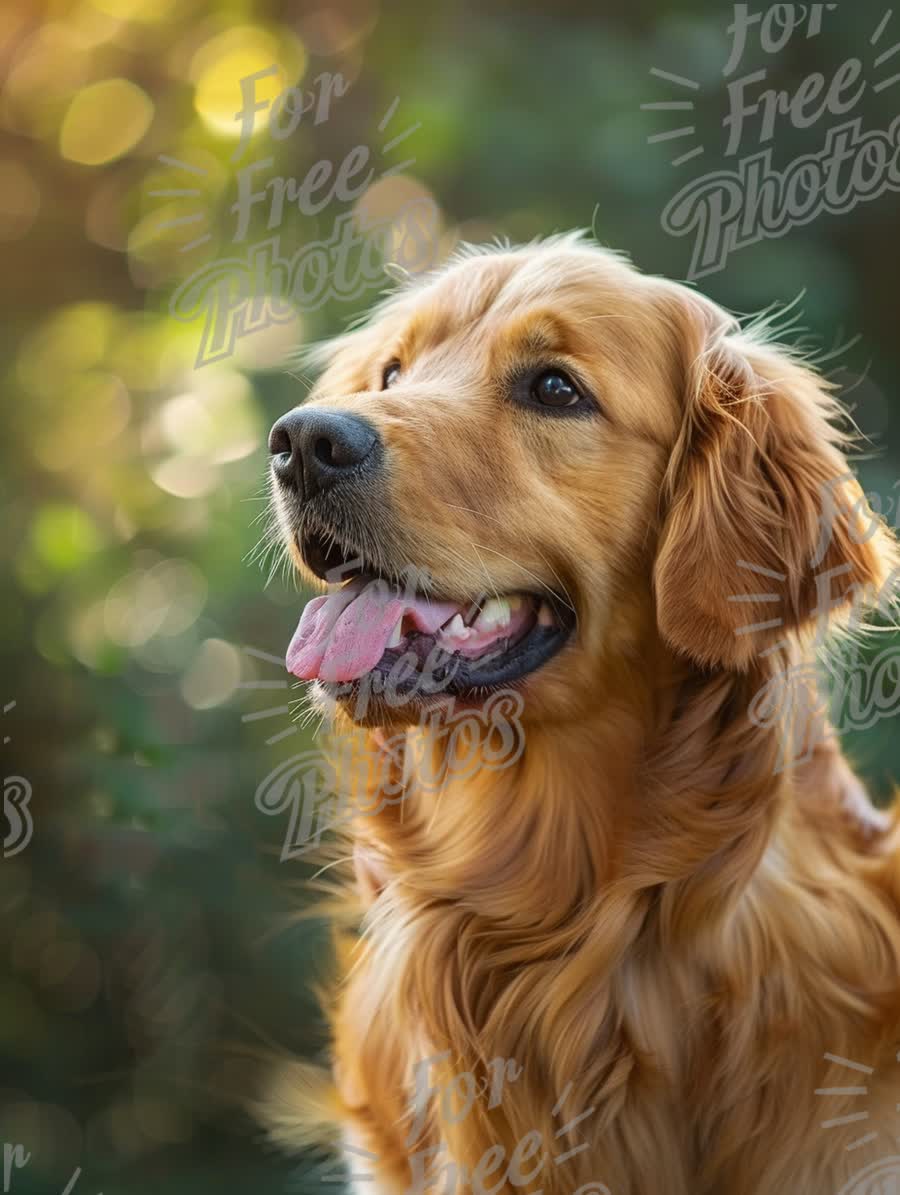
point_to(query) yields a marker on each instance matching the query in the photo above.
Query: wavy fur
(646, 911)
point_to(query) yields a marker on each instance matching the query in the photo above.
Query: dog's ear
(764, 528)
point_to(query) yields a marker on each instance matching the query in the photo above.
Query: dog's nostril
(324, 451)
(279, 441)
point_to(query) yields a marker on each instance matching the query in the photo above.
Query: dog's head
(539, 460)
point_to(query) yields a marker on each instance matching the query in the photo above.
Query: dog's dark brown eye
(554, 389)
(390, 375)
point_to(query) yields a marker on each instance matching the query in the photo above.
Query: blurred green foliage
(144, 970)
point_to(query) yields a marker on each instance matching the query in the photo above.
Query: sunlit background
(149, 961)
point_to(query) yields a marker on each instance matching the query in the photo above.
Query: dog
(657, 950)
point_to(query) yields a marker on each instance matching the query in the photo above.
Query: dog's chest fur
(670, 1064)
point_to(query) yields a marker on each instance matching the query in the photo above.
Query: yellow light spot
(220, 65)
(212, 676)
(185, 476)
(215, 423)
(135, 10)
(403, 216)
(105, 121)
(63, 537)
(165, 599)
(72, 340)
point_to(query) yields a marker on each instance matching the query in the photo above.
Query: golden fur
(644, 906)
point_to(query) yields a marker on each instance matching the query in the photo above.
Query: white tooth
(396, 637)
(495, 613)
(456, 628)
(545, 616)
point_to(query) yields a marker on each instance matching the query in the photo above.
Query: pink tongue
(343, 635)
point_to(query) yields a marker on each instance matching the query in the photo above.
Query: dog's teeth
(396, 634)
(456, 628)
(545, 616)
(495, 613)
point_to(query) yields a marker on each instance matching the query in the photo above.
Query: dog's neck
(662, 786)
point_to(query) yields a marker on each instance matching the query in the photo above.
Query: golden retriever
(651, 955)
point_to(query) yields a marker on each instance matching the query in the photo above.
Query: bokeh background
(149, 952)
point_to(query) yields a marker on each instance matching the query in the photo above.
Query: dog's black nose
(312, 449)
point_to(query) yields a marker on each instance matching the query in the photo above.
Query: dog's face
(519, 466)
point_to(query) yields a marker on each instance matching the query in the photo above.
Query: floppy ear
(764, 527)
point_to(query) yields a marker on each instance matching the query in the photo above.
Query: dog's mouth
(416, 644)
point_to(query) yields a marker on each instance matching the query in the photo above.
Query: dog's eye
(553, 389)
(390, 374)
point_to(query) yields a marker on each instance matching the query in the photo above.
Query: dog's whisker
(543, 584)
(328, 866)
(301, 377)
(499, 522)
(491, 585)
